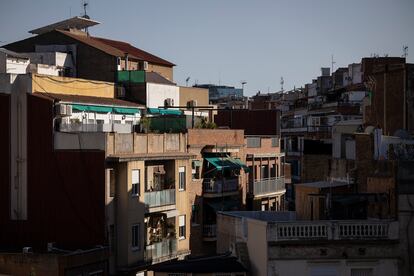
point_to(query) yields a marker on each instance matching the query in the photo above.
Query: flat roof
(76, 22)
(267, 216)
(325, 184)
(149, 156)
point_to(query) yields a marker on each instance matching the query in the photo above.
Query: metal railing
(268, 185)
(209, 230)
(333, 230)
(163, 249)
(220, 185)
(160, 198)
(79, 127)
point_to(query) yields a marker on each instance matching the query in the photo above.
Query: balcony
(220, 186)
(268, 186)
(333, 230)
(209, 232)
(114, 127)
(160, 199)
(161, 251)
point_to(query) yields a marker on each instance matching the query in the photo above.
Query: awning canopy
(162, 111)
(225, 163)
(105, 109)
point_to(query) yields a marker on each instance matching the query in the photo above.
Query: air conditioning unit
(68, 110)
(192, 103)
(145, 65)
(120, 92)
(169, 102)
(63, 110)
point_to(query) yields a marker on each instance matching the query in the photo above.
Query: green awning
(126, 110)
(104, 109)
(164, 111)
(223, 163)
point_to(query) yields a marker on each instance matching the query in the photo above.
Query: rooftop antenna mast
(85, 5)
(187, 80)
(405, 51)
(332, 63)
(282, 82)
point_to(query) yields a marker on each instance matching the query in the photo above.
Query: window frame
(182, 227)
(135, 186)
(181, 178)
(135, 235)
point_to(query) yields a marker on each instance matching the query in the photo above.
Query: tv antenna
(85, 5)
(187, 80)
(282, 81)
(405, 51)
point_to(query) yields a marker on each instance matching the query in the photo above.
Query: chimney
(126, 61)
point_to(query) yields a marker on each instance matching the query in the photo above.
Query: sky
(229, 41)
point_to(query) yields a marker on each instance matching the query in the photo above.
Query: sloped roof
(117, 48)
(131, 50)
(76, 22)
(154, 77)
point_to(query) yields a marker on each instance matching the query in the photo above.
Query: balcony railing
(209, 230)
(333, 230)
(160, 198)
(79, 127)
(220, 185)
(268, 186)
(161, 250)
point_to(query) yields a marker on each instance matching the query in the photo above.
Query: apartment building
(265, 179)
(276, 243)
(218, 182)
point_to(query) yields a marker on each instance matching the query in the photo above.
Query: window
(135, 237)
(181, 227)
(181, 178)
(196, 166)
(135, 182)
(111, 182)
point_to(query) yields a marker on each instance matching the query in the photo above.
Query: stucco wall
(158, 93)
(193, 93)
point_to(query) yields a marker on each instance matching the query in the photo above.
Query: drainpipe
(385, 100)
(405, 126)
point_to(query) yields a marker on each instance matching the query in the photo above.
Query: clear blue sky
(232, 40)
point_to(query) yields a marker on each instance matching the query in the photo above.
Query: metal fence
(220, 185)
(161, 249)
(160, 198)
(210, 230)
(268, 185)
(254, 142)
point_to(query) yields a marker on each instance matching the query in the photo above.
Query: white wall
(157, 93)
(13, 65)
(86, 117)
